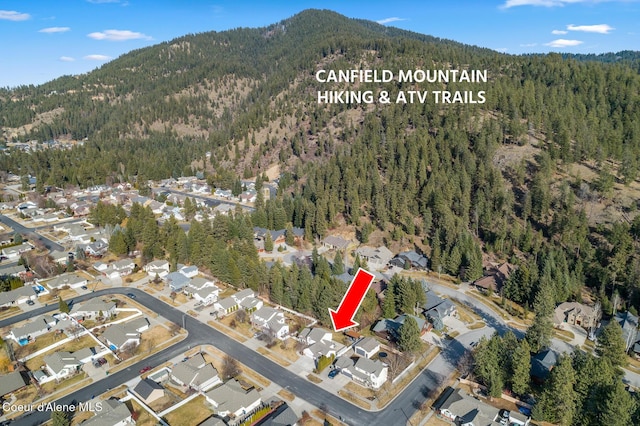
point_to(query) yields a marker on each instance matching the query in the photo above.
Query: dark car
(333, 373)
(84, 287)
(147, 368)
(30, 302)
(131, 295)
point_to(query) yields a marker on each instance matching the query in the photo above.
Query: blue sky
(44, 39)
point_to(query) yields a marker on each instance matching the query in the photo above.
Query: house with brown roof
(495, 277)
(575, 313)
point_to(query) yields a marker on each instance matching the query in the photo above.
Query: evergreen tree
(409, 335)
(557, 404)
(268, 242)
(63, 306)
(611, 345)
(521, 363)
(540, 332)
(289, 236)
(338, 264)
(60, 418)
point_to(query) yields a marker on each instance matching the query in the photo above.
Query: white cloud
(563, 43)
(528, 44)
(118, 35)
(52, 30)
(502, 49)
(548, 3)
(12, 15)
(559, 32)
(389, 20)
(97, 57)
(66, 59)
(600, 28)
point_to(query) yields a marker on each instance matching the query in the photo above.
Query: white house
(231, 399)
(30, 330)
(366, 347)
(370, 373)
(251, 304)
(312, 335)
(207, 295)
(198, 283)
(72, 280)
(113, 413)
(17, 296)
(189, 271)
(226, 306)
(14, 252)
(120, 268)
(93, 308)
(60, 365)
(243, 294)
(271, 321)
(195, 373)
(157, 267)
(118, 336)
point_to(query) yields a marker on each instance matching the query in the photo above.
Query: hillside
(433, 176)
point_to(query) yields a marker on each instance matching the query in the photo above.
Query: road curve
(30, 233)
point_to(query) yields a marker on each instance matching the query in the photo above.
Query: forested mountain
(437, 176)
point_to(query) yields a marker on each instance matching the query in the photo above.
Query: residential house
(270, 321)
(60, 257)
(190, 271)
(225, 306)
(495, 277)
(113, 413)
(71, 280)
(575, 313)
(120, 268)
(62, 364)
(118, 336)
(158, 268)
(14, 270)
(541, 365)
(207, 295)
(243, 294)
(198, 283)
(436, 309)
(410, 260)
(370, 373)
(96, 248)
(30, 330)
(389, 328)
(326, 348)
(462, 409)
(12, 382)
(177, 281)
(93, 308)
(377, 258)
(139, 324)
(149, 391)
(309, 336)
(629, 324)
(333, 242)
(232, 400)
(251, 304)
(14, 252)
(17, 296)
(196, 374)
(366, 347)
(282, 416)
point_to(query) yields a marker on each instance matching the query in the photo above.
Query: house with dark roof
(541, 365)
(388, 329)
(629, 324)
(462, 409)
(149, 390)
(282, 416)
(231, 399)
(495, 277)
(113, 413)
(436, 309)
(410, 260)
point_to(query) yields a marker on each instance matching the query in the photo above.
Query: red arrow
(343, 317)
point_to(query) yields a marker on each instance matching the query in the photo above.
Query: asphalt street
(200, 334)
(30, 233)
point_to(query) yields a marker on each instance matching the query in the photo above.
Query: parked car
(131, 295)
(102, 361)
(145, 369)
(30, 302)
(84, 287)
(333, 373)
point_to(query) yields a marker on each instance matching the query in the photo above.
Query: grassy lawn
(229, 332)
(354, 399)
(40, 342)
(247, 373)
(9, 312)
(326, 417)
(243, 328)
(192, 413)
(26, 395)
(67, 383)
(359, 390)
(285, 394)
(267, 353)
(476, 325)
(144, 418)
(286, 349)
(84, 342)
(128, 303)
(163, 403)
(313, 378)
(50, 298)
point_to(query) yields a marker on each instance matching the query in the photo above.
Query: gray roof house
(17, 296)
(460, 408)
(415, 260)
(370, 373)
(542, 363)
(232, 399)
(376, 258)
(62, 364)
(11, 382)
(72, 280)
(436, 309)
(30, 330)
(118, 336)
(148, 390)
(629, 324)
(113, 413)
(367, 347)
(93, 308)
(226, 305)
(177, 281)
(190, 374)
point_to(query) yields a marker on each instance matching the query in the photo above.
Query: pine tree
(521, 364)
(557, 404)
(60, 418)
(338, 264)
(268, 242)
(540, 332)
(409, 335)
(289, 236)
(63, 306)
(611, 345)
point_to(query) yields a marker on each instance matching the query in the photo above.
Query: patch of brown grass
(267, 353)
(191, 413)
(354, 399)
(359, 390)
(286, 395)
(229, 332)
(313, 378)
